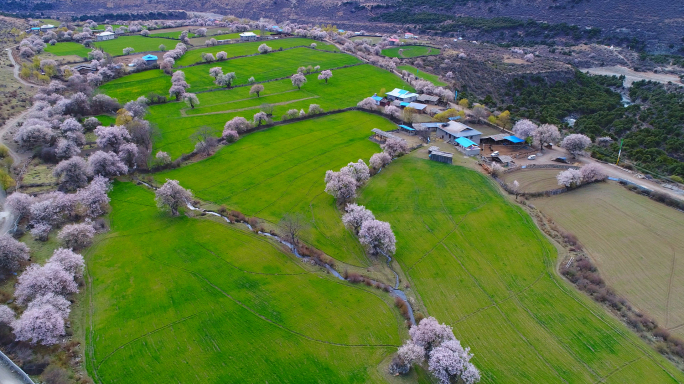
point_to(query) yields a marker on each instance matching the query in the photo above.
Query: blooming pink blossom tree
(259, 118)
(263, 48)
(225, 80)
(106, 164)
(40, 280)
(163, 158)
(325, 75)
(379, 160)
(359, 171)
(34, 134)
(524, 128)
(592, 172)
(41, 231)
(112, 137)
(61, 304)
(546, 133)
(395, 147)
(94, 197)
(172, 196)
(19, 204)
(378, 237)
(449, 361)
(315, 109)
(128, 153)
(71, 125)
(72, 173)
(222, 55)
(238, 124)
(576, 143)
(298, 80)
(77, 236)
(68, 148)
(71, 261)
(355, 217)
(41, 324)
(256, 88)
(341, 185)
(429, 333)
(367, 103)
(12, 253)
(230, 135)
(569, 178)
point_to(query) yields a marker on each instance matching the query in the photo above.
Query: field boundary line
(618, 369)
(503, 315)
(264, 318)
(184, 114)
(251, 272)
(148, 334)
(444, 238)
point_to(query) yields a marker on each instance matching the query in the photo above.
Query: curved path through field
(16, 69)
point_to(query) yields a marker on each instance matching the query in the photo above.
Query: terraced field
(240, 49)
(177, 122)
(138, 43)
(533, 180)
(281, 169)
(67, 49)
(408, 51)
(260, 67)
(635, 242)
(480, 264)
(175, 299)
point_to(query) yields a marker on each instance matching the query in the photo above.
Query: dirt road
(631, 76)
(16, 69)
(7, 140)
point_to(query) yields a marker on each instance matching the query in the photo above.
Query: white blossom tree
(378, 237)
(379, 160)
(172, 196)
(524, 128)
(341, 185)
(367, 103)
(72, 173)
(315, 109)
(12, 253)
(191, 100)
(263, 48)
(355, 217)
(256, 88)
(546, 133)
(77, 236)
(569, 178)
(163, 158)
(592, 172)
(298, 80)
(325, 75)
(576, 143)
(238, 123)
(359, 171)
(395, 147)
(260, 117)
(106, 164)
(40, 280)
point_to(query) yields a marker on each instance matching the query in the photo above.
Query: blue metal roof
(35, 28)
(462, 141)
(376, 98)
(514, 139)
(406, 128)
(404, 104)
(455, 118)
(149, 57)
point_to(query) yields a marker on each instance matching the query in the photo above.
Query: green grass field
(434, 79)
(106, 119)
(138, 43)
(171, 35)
(534, 180)
(410, 51)
(281, 169)
(176, 299)
(177, 122)
(240, 49)
(634, 242)
(260, 67)
(67, 48)
(480, 264)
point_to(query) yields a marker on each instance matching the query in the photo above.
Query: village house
(47, 27)
(379, 100)
(105, 36)
(409, 35)
(401, 95)
(150, 59)
(248, 36)
(393, 41)
(453, 130)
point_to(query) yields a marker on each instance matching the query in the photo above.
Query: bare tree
(291, 225)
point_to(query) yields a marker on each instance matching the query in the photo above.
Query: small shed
(418, 107)
(382, 136)
(467, 146)
(428, 99)
(248, 36)
(105, 36)
(408, 35)
(47, 27)
(408, 129)
(150, 59)
(503, 159)
(435, 154)
(431, 126)
(453, 130)
(379, 100)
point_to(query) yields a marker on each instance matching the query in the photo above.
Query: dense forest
(652, 127)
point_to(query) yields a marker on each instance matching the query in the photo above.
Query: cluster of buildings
(42, 28)
(402, 98)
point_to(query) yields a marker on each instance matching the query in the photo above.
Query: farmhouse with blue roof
(402, 95)
(150, 59)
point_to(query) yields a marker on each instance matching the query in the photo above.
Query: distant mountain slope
(658, 23)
